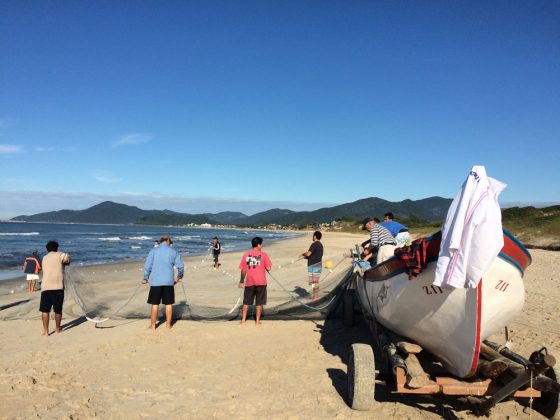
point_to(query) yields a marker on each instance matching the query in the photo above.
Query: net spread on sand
(204, 294)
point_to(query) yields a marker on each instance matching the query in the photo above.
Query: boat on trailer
(415, 322)
(450, 323)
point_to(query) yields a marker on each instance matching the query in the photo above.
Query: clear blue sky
(248, 105)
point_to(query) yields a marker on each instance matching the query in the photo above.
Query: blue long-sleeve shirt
(393, 227)
(159, 266)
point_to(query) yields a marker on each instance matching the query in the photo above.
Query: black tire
(547, 404)
(348, 309)
(361, 377)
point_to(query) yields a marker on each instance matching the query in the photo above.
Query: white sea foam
(135, 247)
(19, 233)
(185, 237)
(111, 238)
(140, 238)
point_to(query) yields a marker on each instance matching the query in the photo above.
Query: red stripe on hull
(474, 363)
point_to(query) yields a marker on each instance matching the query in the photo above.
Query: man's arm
(242, 279)
(180, 266)
(66, 258)
(148, 266)
(375, 236)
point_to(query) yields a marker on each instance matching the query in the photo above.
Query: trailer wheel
(361, 377)
(547, 404)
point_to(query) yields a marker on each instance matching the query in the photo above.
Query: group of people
(163, 269)
(385, 237)
(159, 269)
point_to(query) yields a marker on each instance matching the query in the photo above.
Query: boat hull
(450, 323)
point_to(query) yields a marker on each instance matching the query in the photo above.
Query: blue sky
(221, 105)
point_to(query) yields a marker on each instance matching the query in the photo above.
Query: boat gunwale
(394, 266)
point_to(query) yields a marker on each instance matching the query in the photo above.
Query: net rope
(206, 293)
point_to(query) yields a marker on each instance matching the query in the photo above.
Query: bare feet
(152, 327)
(58, 330)
(241, 322)
(45, 333)
(168, 326)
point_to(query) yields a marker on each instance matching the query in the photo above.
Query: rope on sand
(193, 313)
(296, 299)
(82, 307)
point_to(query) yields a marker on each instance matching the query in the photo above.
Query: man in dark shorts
(159, 268)
(52, 289)
(216, 249)
(254, 265)
(314, 258)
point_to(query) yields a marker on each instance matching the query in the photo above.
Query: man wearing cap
(32, 268)
(380, 238)
(159, 271)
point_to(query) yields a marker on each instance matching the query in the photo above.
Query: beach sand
(281, 369)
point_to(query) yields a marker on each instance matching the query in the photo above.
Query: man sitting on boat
(399, 231)
(380, 238)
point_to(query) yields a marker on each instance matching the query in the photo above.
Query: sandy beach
(281, 369)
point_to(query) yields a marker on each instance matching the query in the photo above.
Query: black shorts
(255, 294)
(216, 257)
(51, 299)
(161, 294)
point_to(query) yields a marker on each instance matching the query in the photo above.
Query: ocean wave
(185, 237)
(140, 238)
(110, 238)
(19, 233)
(135, 247)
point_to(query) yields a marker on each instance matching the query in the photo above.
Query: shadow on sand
(336, 339)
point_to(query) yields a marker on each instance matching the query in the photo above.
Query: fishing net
(101, 293)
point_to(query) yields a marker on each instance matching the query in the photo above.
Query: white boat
(449, 323)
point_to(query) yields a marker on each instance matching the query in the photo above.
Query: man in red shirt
(254, 265)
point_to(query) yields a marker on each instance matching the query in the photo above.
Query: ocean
(98, 244)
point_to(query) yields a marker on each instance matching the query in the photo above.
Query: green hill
(533, 226)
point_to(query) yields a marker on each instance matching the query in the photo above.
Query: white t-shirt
(472, 235)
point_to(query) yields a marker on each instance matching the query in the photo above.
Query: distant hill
(534, 227)
(105, 212)
(428, 209)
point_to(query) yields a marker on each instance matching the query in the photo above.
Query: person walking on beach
(159, 271)
(52, 287)
(314, 258)
(32, 268)
(254, 265)
(216, 249)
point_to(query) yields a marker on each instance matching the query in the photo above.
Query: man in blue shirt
(159, 269)
(399, 232)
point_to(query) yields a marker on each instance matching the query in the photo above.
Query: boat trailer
(409, 369)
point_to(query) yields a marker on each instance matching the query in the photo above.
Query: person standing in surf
(52, 287)
(254, 265)
(32, 268)
(159, 271)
